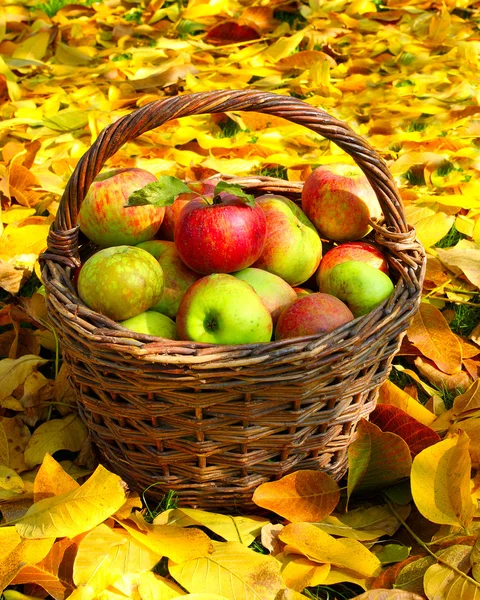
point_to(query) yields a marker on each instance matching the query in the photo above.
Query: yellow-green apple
(152, 323)
(275, 292)
(220, 236)
(293, 247)
(362, 251)
(177, 277)
(105, 219)
(120, 282)
(358, 284)
(167, 229)
(339, 201)
(221, 309)
(301, 291)
(312, 314)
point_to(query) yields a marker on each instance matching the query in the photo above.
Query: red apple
(177, 276)
(224, 236)
(276, 293)
(105, 219)
(292, 248)
(312, 314)
(172, 212)
(362, 251)
(339, 201)
(221, 309)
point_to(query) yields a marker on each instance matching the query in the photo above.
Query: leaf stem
(425, 546)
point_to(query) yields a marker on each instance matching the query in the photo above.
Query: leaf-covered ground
(403, 74)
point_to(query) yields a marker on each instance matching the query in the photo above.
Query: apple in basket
(105, 219)
(172, 212)
(120, 282)
(362, 251)
(276, 293)
(222, 234)
(152, 323)
(358, 284)
(177, 276)
(221, 309)
(312, 314)
(293, 247)
(339, 201)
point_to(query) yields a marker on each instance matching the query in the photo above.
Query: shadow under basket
(213, 422)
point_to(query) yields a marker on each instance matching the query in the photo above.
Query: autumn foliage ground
(403, 74)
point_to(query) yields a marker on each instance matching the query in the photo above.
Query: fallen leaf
(440, 481)
(391, 394)
(440, 581)
(430, 333)
(13, 372)
(301, 496)
(463, 258)
(58, 434)
(469, 401)
(52, 480)
(77, 511)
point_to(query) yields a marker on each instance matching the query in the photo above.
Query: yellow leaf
(20, 238)
(441, 582)
(34, 47)
(440, 481)
(317, 545)
(105, 555)
(68, 55)
(16, 213)
(472, 428)
(391, 394)
(14, 371)
(340, 576)
(469, 401)
(299, 572)
(364, 524)
(144, 586)
(432, 229)
(16, 552)
(133, 501)
(301, 496)
(283, 47)
(18, 436)
(11, 278)
(174, 542)
(11, 484)
(463, 258)
(431, 334)
(76, 511)
(68, 433)
(230, 527)
(232, 570)
(52, 480)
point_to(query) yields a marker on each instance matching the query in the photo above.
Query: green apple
(177, 276)
(358, 284)
(221, 309)
(152, 323)
(276, 293)
(293, 248)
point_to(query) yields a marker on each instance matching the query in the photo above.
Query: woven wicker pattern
(214, 422)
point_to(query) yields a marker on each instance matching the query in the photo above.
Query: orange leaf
(469, 401)
(427, 368)
(431, 334)
(300, 496)
(54, 572)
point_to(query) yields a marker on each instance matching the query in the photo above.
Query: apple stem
(217, 199)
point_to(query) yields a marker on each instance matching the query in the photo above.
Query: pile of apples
(210, 263)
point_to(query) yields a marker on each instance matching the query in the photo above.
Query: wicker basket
(213, 422)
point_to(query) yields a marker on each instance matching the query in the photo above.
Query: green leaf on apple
(162, 192)
(236, 190)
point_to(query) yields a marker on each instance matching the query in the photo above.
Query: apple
(152, 323)
(176, 275)
(105, 219)
(300, 291)
(358, 284)
(167, 228)
(293, 247)
(362, 251)
(339, 201)
(223, 236)
(221, 309)
(120, 282)
(276, 293)
(312, 314)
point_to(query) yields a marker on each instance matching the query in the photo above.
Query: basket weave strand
(213, 422)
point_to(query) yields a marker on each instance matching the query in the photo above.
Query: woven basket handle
(63, 237)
